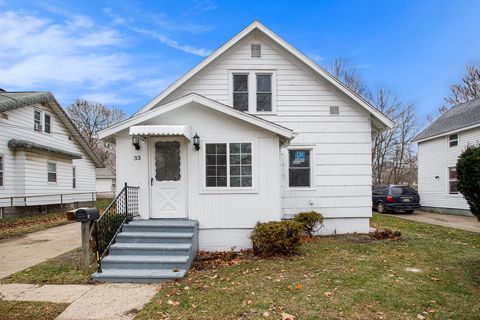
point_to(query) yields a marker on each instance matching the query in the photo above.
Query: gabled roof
(204, 101)
(462, 116)
(16, 100)
(382, 121)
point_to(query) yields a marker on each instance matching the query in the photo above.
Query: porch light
(196, 141)
(136, 142)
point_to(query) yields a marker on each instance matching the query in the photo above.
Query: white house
(439, 147)
(105, 182)
(44, 161)
(277, 135)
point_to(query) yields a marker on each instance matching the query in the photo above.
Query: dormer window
(256, 50)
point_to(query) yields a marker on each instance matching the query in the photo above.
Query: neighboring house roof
(104, 173)
(461, 116)
(15, 100)
(212, 104)
(32, 146)
(380, 120)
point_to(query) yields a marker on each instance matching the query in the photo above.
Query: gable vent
(256, 50)
(334, 110)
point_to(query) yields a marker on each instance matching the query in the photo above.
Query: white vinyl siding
(435, 156)
(341, 182)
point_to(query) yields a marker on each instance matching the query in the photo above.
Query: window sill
(228, 191)
(264, 113)
(300, 189)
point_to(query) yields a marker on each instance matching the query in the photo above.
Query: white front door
(168, 177)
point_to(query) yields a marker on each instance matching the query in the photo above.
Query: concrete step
(133, 248)
(161, 226)
(156, 262)
(154, 237)
(138, 275)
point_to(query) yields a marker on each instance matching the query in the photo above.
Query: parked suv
(395, 198)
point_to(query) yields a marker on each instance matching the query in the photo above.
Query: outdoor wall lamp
(136, 142)
(196, 141)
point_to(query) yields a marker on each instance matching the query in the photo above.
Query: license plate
(407, 200)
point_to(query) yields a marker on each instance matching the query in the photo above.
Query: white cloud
(107, 98)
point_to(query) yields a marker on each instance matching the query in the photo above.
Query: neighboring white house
(44, 161)
(277, 135)
(105, 182)
(439, 147)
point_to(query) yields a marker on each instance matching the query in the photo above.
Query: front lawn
(64, 269)
(15, 310)
(433, 273)
(18, 226)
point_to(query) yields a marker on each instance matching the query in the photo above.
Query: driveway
(21, 253)
(446, 220)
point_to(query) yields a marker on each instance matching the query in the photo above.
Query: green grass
(102, 204)
(339, 277)
(20, 310)
(64, 269)
(18, 226)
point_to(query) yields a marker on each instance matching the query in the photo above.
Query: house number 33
(137, 158)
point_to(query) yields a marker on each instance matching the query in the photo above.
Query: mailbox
(83, 214)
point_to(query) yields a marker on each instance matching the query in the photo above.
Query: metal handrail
(119, 212)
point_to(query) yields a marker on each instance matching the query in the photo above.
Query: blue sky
(123, 53)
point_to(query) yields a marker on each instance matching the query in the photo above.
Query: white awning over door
(160, 130)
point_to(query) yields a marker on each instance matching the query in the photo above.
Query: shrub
(468, 171)
(311, 221)
(276, 237)
(386, 233)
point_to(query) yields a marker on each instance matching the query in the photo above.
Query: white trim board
(256, 25)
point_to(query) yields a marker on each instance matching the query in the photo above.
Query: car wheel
(380, 208)
(409, 211)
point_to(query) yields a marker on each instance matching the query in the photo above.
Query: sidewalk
(88, 302)
(21, 253)
(447, 220)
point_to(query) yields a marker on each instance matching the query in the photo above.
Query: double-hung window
(452, 180)
(299, 170)
(2, 168)
(47, 125)
(228, 165)
(52, 172)
(37, 120)
(240, 92)
(264, 92)
(453, 140)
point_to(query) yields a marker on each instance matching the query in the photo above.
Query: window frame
(203, 168)
(2, 170)
(45, 115)
(252, 89)
(449, 180)
(241, 92)
(313, 184)
(263, 92)
(252, 50)
(48, 172)
(457, 140)
(39, 121)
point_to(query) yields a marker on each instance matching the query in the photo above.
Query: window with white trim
(37, 120)
(228, 165)
(240, 92)
(2, 170)
(299, 168)
(74, 177)
(52, 171)
(453, 140)
(256, 50)
(47, 123)
(452, 180)
(264, 92)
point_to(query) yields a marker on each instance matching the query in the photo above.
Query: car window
(403, 191)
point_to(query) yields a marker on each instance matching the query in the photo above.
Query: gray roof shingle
(461, 116)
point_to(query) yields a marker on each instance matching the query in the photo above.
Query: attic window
(453, 140)
(256, 51)
(334, 110)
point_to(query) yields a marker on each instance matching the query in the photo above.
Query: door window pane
(240, 92)
(299, 168)
(167, 161)
(240, 164)
(216, 164)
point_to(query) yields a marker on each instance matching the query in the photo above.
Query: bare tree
(90, 117)
(349, 76)
(468, 89)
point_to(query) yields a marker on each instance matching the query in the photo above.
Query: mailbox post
(85, 216)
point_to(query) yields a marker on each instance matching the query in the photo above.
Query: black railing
(122, 210)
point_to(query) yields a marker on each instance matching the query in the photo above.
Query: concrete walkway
(88, 302)
(446, 220)
(21, 253)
